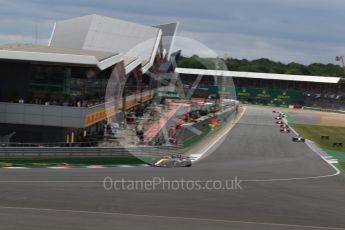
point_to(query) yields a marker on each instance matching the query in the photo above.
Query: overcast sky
(284, 30)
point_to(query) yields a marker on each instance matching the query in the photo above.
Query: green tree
(262, 65)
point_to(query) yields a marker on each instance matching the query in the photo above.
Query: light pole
(341, 58)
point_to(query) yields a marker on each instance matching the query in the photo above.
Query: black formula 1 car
(298, 139)
(278, 118)
(279, 122)
(172, 162)
(285, 130)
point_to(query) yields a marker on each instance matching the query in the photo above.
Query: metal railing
(70, 152)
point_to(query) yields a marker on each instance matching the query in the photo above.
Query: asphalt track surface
(285, 186)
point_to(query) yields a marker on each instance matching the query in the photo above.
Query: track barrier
(73, 152)
(325, 137)
(338, 144)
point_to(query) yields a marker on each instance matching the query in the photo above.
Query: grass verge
(314, 133)
(290, 118)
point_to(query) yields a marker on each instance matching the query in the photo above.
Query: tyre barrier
(324, 137)
(338, 144)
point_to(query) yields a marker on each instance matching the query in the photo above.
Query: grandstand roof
(35, 53)
(131, 63)
(168, 37)
(100, 33)
(95, 40)
(269, 76)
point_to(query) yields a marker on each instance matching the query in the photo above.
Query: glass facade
(59, 85)
(37, 85)
(47, 81)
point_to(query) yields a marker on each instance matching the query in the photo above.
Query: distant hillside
(262, 65)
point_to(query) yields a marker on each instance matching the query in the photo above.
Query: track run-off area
(284, 185)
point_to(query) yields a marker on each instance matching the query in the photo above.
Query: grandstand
(58, 93)
(273, 89)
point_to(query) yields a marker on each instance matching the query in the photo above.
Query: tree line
(262, 65)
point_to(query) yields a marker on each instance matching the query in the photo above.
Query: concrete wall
(56, 116)
(41, 115)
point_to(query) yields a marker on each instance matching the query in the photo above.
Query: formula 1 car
(279, 122)
(284, 126)
(298, 139)
(172, 162)
(285, 130)
(278, 118)
(282, 115)
(275, 111)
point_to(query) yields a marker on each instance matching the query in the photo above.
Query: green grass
(290, 119)
(75, 162)
(314, 132)
(342, 164)
(336, 154)
(336, 134)
(340, 156)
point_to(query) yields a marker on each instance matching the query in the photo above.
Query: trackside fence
(71, 152)
(84, 150)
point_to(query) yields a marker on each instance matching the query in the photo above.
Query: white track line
(334, 161)
(199, 156)
(324, 158)
(170, 217)
(286, 121)
(272, 179)
(337, 172)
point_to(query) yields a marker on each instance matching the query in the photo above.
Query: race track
(285, 186)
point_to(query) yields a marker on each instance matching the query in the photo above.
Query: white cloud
(290, 30)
